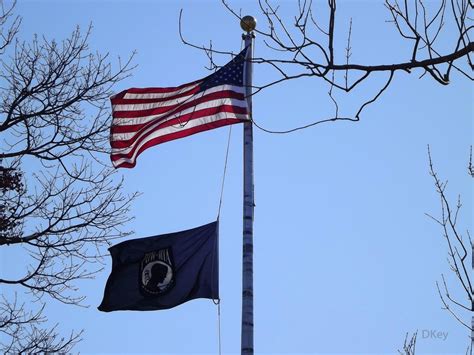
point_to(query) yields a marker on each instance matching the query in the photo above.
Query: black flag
(163, 271)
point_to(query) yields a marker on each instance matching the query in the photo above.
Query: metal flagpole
(248, 24)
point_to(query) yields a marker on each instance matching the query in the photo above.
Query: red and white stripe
(146, 117)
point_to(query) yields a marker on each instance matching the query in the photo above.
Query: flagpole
(248, 24)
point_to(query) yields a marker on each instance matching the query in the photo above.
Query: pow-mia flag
(163, 271)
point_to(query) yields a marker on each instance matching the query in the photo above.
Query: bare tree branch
(409, 345)
(460, 254)
(59, 200)
(300, 53)
(22, 331)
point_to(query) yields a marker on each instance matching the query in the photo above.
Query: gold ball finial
(248, 23)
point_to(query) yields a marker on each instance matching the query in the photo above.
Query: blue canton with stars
(231, 74)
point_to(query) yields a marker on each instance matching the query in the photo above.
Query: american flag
(144, 117)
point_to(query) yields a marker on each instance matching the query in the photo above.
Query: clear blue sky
(345, 259)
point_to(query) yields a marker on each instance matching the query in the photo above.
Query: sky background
(345, 259)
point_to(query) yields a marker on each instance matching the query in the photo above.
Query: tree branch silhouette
(60, 201)
(306, 47)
